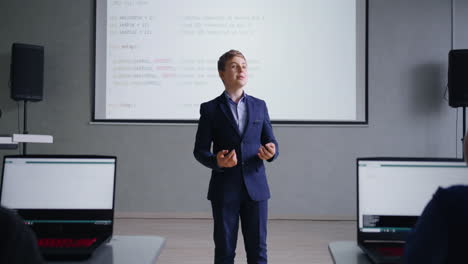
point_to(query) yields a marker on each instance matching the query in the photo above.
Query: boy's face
(235, 73)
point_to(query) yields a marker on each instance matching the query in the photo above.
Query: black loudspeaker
(458, 78)
(27, 72)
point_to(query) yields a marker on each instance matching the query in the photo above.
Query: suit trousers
(253, 217)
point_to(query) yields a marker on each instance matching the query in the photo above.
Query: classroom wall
(315, 175)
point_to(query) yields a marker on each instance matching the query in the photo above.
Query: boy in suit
(233, 139)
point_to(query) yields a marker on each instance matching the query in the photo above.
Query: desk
(125, 250)
(347, 252)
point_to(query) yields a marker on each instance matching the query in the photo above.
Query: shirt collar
(244, 95)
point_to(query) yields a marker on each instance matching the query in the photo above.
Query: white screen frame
(99, 108)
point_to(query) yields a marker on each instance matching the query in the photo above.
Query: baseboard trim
(206, 215)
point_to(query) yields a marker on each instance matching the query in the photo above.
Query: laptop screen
(61, 195)
(393, 192)
(58, 183)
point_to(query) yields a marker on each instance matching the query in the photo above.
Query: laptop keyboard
(65, 242)
(391, 251)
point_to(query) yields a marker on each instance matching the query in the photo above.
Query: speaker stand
(464, 131)
(25, 125)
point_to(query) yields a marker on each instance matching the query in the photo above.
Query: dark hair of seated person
(18, 244)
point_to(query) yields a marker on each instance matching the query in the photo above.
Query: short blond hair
(227, 56)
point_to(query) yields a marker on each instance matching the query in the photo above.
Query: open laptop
(391, 195)
(67, 200)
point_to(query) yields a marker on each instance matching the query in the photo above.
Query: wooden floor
(189, 241)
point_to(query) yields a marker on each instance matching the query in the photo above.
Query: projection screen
(156, 60)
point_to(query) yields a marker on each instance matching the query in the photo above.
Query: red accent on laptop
(65, 242)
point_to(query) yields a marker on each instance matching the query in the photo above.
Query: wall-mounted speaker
(458, 78)
(27, 72)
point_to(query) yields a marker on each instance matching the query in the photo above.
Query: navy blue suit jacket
(217, 126)
(442, 229)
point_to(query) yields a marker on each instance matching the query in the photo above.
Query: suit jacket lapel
(228, 113)
(250, 113)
